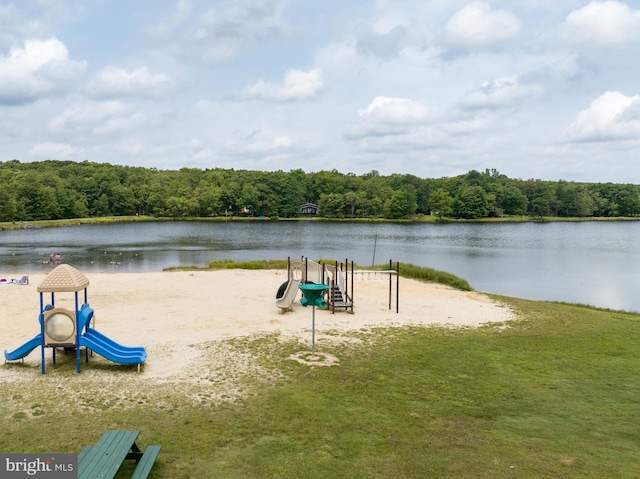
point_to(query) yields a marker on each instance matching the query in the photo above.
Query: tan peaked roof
(64, 279)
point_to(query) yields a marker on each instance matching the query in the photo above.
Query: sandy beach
(172, 314)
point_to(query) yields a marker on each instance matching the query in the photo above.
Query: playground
(173, 314)
(70, 329)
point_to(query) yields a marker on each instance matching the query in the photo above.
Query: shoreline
(36, 224)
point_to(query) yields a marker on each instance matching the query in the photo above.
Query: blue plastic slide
(124, 349)
(25, 349)
(109, 349)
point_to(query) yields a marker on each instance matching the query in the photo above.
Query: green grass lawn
(553, 394)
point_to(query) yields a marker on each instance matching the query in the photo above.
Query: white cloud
(39, 68)
(501, 93)
(606, 24)
(477, 25)
(117, 82)
(296, 85)
(100, 118)
(611, 116)
(394, 110)
(387, 116)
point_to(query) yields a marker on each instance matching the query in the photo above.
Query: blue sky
(535, 88)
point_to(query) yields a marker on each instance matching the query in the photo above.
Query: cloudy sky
(534, 88)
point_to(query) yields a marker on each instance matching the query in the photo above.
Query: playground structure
(339, 279)
(62, 328)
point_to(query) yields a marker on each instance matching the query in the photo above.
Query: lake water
(592, 263)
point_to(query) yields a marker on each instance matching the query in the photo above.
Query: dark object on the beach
(281, 290)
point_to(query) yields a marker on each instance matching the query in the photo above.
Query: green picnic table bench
(114, 447)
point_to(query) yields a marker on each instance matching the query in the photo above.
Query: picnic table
(114, 447)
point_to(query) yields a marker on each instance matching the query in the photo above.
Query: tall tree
(401, 204)
(471, 203)
(440, 203)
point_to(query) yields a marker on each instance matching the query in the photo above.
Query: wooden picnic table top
(105, 458)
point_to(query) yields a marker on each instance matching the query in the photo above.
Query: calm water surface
(592, 263)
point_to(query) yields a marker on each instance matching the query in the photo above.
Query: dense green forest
(64, 189)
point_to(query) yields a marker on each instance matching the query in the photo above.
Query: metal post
(397, 286)
(332, 296)
(346, 278)
(352, 297)
(42, 366)
(375, 242)
(390, 283)
(78, 334)
(313, 331)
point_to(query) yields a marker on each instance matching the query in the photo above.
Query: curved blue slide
(25, 349)
(109, 349)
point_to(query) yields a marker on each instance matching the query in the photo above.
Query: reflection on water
(591, 263)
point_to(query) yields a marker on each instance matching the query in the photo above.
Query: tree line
(54, 189)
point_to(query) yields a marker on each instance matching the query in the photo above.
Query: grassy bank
(416, 219)
(552, 394)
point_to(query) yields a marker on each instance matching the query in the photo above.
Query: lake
(592, 263)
